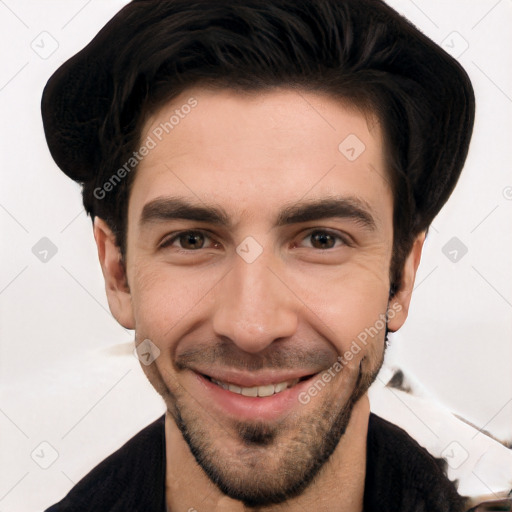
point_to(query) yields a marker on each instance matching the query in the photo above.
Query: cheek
(350, 306)
(163, 300)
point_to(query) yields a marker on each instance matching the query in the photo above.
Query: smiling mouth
(258, 391)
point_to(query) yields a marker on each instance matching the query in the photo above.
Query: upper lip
(248, 379)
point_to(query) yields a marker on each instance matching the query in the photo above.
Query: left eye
(188, 240)
(321, 239)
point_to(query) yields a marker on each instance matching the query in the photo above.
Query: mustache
(283, 357)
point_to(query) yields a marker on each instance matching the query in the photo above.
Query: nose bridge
(253, 307)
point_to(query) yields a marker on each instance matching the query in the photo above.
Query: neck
(339, 486)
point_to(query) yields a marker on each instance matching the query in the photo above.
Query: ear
(399, 303)
(114, 273)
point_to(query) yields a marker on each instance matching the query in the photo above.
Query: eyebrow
(170, 208)
(351, 208)
(173, 208)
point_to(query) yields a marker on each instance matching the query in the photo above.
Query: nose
(253, 306)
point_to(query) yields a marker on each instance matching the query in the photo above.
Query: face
(258, 253)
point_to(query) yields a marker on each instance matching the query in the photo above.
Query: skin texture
(298, 306)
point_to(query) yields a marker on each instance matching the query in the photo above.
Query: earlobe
(399, 304)
(114, 274)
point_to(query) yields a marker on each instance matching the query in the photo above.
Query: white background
(68, 377)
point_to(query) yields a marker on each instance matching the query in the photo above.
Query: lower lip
(250, 408)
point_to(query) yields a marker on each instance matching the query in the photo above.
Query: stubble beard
(272, 462)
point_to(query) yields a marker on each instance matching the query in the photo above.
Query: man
(261, 176)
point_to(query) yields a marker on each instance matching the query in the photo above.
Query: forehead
(260, 148)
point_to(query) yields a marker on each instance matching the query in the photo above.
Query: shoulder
(130, 478)
(402, 475)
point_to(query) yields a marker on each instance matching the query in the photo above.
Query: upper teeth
(267, 390)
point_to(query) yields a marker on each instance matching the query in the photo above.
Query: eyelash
(176, 236)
